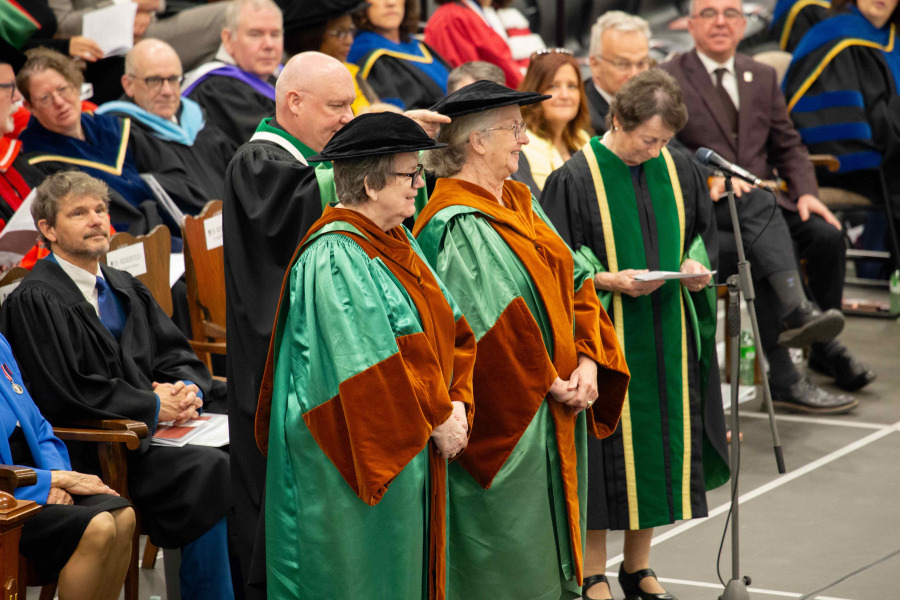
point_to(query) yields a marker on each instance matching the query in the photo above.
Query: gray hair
(235, 7)
(52, 190)
(645, 96)
(477, 70)
(447, 162)
(352, 175)
(616, 20)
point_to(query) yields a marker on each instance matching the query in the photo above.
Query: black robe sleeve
(232, 106)
(402, 83)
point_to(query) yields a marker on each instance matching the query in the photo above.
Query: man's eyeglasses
(710, 14)
(516, 128)
(627, 65)
(342, 34)
(66, 92)
(155, 83)
(9, 86)
(420, 168)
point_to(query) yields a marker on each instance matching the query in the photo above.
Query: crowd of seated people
(209, 104)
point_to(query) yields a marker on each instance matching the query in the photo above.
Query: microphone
(707, 157)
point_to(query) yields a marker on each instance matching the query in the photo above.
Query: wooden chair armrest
(825, 160)
(12, 477)
(123, 431)
(212, 347)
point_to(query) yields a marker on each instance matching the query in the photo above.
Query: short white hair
(235, 7)
(616, 20)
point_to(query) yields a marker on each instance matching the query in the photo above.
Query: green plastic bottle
(748, 357)
(895, 292)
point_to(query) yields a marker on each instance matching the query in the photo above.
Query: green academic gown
(517, 495)
(369, 350)
(669, 446)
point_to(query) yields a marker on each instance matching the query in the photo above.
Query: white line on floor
(776, 483)
(754, 590)
(816, 420)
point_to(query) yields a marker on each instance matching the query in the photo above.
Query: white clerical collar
(711, 65)
(86, 283)
(606, 95)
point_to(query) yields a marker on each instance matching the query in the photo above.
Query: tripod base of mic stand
(736, 590)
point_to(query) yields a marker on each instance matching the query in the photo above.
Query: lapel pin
(748, 76)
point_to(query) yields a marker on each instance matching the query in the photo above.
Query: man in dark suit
(619, 50)
(736, 108)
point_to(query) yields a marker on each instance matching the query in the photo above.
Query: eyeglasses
(9, 86)
(66, 92)
(414, 175)
(711, 14)
(517, 128)
(627, 65)
(155, 83)
(342, 34)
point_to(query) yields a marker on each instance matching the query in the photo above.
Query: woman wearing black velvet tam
(368, 387)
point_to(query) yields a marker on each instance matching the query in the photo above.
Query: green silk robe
(369, 350)
(517, 495)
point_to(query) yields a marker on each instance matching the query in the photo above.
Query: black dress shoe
(631, 585)
(807, 324)
(807, 397)
(849, 374)
(590, 582)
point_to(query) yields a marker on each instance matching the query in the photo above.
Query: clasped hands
(580, 391)
(624, 281)
(177, 401)
(451, 436)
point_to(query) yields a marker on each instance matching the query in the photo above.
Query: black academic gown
(598, 107)
(232, 105)
(75, 369)
(569, 200)
(191, 175)
(271, 201)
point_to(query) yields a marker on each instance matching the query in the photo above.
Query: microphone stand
(736, 589)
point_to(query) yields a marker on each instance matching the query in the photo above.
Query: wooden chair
(204, 271)
(153, 271)
(113, 437)
(13, 514)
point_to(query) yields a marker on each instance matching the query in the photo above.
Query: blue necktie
(110, 313)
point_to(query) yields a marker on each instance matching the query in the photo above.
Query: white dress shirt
(729, 80)
(86, 282)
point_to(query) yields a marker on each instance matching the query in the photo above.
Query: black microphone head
(704, 155)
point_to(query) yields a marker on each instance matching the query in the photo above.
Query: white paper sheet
(112, 27)
(657, 275)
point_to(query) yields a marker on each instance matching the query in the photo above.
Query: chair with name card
(204, 271)
(146, 257)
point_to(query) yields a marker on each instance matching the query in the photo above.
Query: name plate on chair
(213, 227)
(130, 259)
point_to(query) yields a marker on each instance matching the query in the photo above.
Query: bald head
(313, 97)
(153, 77)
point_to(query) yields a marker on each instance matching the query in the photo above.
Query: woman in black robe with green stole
(627, 204)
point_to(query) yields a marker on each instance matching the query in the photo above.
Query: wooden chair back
(204, 271)
(147, 258)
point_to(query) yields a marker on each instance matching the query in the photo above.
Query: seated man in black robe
(170, 136)
(237, 89)
(92, 343)
(620, 48)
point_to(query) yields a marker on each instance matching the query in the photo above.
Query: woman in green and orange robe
(546, 352)
(626, 204)
(371, 388)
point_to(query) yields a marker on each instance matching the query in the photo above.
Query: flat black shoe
(849, 374)
(806, 397)
(807, 324)
(590, 582)
(631, 585)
